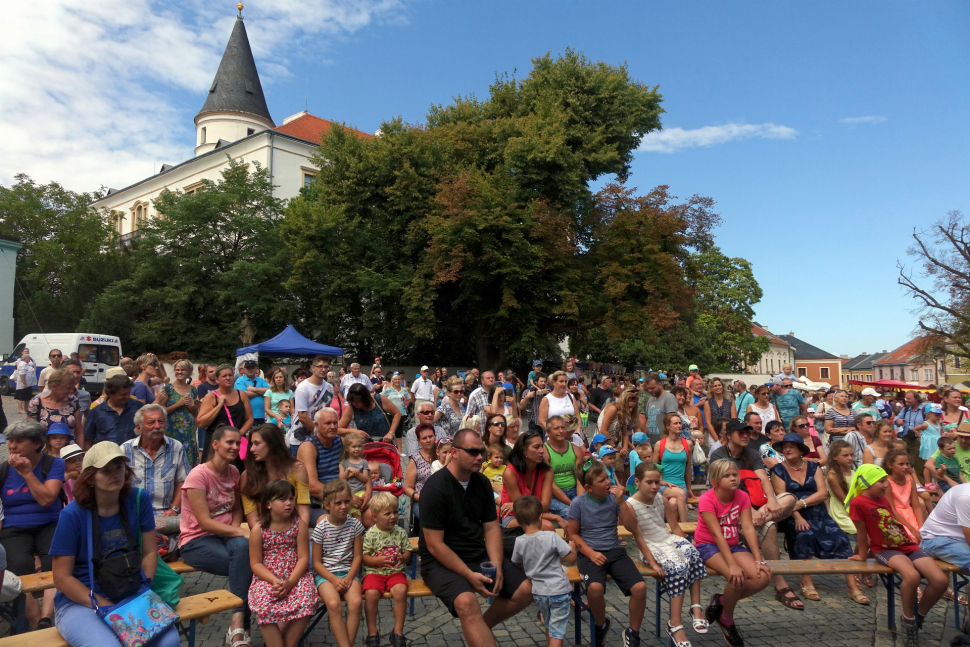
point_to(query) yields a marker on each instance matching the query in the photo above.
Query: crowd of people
(271, 483)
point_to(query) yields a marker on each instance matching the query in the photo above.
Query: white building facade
(235, 123)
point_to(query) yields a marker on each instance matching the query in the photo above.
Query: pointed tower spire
(235, 105)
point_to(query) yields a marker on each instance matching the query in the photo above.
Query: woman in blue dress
(810, 531)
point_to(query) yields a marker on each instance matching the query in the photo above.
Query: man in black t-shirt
(598, 398)
(459, 531)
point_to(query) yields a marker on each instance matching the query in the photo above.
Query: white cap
(425, 368)
(870, 391)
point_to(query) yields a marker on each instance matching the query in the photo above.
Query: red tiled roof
(312, 128)
(758, 331)
(902, 355)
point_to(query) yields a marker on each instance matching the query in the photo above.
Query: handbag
(698, 457)
(138, 618)
(120, 571)
(751, 484)
(166, 583)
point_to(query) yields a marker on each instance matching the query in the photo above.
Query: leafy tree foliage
(68, 254)
(207, 261)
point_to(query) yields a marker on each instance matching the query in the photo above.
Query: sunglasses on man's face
(426, 413)
(473, 451)
(58, 356)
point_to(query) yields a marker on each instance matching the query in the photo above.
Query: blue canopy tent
(290, 343)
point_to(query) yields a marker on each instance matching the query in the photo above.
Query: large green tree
(208, 261)
(464, 238)
(68, 253)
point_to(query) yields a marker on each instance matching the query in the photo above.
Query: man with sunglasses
(55, 357)
(860, 437)
(746, 456)
(424, 413)
(459, 531)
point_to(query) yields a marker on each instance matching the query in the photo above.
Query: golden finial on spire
(240, 7)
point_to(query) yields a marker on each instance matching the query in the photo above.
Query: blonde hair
(382, 502)
(186, 364)
(350, 440)
(59, 377)
(454, 381)
(643, 450)
(555, 376)
(719, 469)
(622, 405)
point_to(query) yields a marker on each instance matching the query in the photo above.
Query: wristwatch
(176, 509)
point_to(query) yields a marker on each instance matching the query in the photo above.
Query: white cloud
(868, 119)
(671, 140)
(88, 87)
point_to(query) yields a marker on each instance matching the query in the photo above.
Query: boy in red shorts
(387, 550)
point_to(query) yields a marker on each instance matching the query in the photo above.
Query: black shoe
(910, 633)
(375, 641)
(714, 609)
(45, 623)
(398, 641)
(631, 639)
(601, 634)
(732, 635)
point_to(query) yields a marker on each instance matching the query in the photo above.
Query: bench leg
(656, 621)
(21, 603)
(959, 582)
(191, 633)
(890, 582)
(414, 575)
(317, 617)
(577, 608)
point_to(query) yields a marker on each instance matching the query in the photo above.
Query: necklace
(797, 469)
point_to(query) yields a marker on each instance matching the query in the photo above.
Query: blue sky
(825, 131)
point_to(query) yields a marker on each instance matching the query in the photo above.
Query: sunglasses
(427, 413)
(743, 432)
(457, 392)
(55, 356)
(470, 450)
(497, 423)
(802, 426)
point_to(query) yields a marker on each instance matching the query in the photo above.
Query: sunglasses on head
(588, 464)
(473, 451)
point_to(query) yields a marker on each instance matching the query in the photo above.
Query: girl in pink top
(725, 513)
(902, 496)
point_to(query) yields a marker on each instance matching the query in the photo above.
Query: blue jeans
(225, 556)
(954, 551)
(555, 613)
(81, 627)
(557, 507)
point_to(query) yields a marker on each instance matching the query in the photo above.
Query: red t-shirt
(885, 533)
(531, 486)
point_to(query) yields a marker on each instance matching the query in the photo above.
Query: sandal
(788, 598)
(244, 640)
(700, 624)
(858, 596)
(676, 643)
(868, 582)
(810, 593)
(949, 596)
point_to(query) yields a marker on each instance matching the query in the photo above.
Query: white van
(97, 353)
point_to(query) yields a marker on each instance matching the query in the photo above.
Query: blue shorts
(320, 579)
(555, 613)
(949, 550)
(709, 550)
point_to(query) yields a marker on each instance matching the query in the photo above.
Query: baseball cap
(70, 451)
(662, 376)
(929, 407)
(250, 363)
(59, 428)
(417, 376)
(693, 367)
(598, 438)
(101, 454)
(606, 450)
(639, 437)
(538, 362)
(737, 425)
(425, 368)
(115, 370)
(870, 391)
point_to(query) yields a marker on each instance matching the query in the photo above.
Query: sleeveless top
(534, 487)
(373, 423)
(838, 512)
(767, 414)
(422, 471)
(563, 466)
(236, 411)
(901, 499)
(723, 411)
(328, 460)
(560, 406)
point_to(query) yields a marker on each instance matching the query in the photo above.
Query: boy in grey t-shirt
(538, 553)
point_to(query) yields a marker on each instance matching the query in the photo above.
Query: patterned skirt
(681, 562)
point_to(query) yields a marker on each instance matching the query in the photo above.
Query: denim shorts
(709, 550)
(555, 613)
(320, 579)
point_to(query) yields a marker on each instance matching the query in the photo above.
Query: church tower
(235, 107)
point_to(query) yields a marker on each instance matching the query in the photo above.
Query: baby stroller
(391, 477)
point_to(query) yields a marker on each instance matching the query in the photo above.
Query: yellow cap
(102, 454)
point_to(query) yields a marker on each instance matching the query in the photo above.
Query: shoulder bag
(166, 583)
(141, 615)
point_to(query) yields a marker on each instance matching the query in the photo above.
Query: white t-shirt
(950, 515)
(423, 389)
(306, 392)
(349, 380)
(560, 406)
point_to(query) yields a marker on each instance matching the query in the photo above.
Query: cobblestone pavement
(836, 621)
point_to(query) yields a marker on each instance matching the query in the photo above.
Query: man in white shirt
(946, 532)
(423, 388)
(354, 377)
(312, 394)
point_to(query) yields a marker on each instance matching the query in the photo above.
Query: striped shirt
(157, 476)
(337, 543)
(328, 460)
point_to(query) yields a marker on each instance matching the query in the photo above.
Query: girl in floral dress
(282, 594)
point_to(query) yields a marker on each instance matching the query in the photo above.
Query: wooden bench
(195, 608)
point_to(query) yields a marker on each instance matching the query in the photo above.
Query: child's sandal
(671, 631)
(700, 624)
(240, 642)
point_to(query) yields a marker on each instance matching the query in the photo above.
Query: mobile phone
(509, 392)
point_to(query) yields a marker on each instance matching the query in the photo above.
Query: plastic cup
(489, 570)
